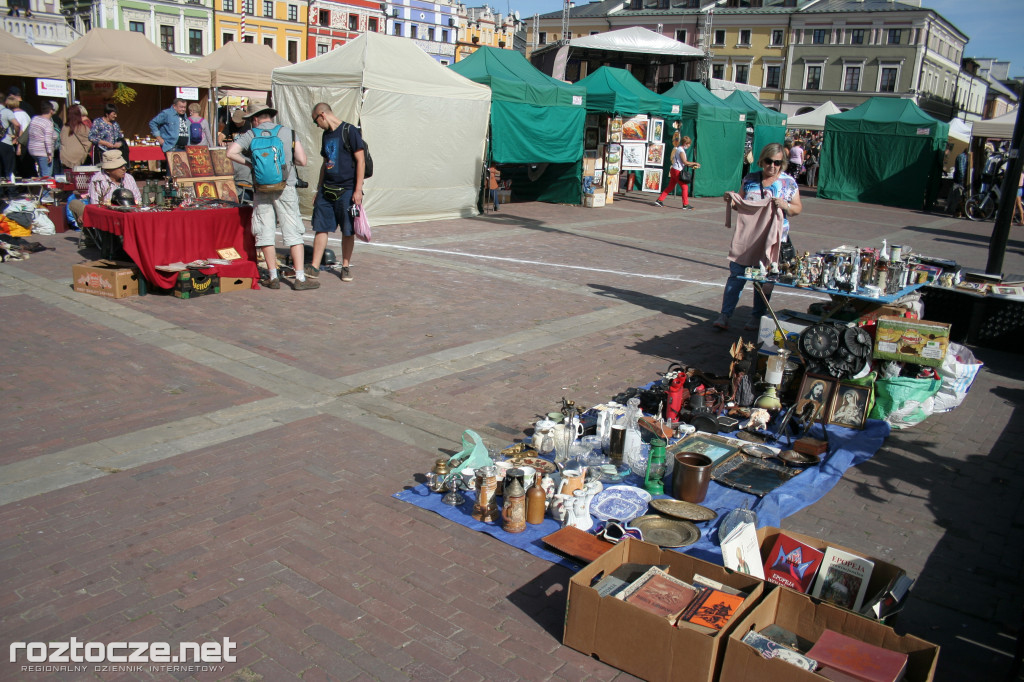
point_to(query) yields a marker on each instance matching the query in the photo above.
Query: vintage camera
(300, 183)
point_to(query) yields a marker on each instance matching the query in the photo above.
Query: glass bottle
(632, 451)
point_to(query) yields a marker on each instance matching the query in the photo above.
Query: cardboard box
(801, 615)
(791, 322)
(106, 278)
(593, 200)
(235, 284)
(194, 284)
(882, 575)
(642, 643)
(918, 341)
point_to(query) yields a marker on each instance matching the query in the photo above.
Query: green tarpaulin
(534, 119)
(617, 91)
(886, 151)
(769, 125)
(718, 137)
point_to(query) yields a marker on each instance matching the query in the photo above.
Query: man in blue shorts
(339, 188)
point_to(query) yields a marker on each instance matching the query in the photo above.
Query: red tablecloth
(146, 153)
(154, 238)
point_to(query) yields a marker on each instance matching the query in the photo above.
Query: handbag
(362, 226)
(685, 175)
(787, 252)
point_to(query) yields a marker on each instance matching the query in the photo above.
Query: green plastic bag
(473, 455)
(904, 401)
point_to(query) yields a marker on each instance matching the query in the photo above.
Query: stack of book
(834, 656)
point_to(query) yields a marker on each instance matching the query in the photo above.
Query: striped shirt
(41, 136)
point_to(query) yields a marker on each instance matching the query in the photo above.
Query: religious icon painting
(206, 190)
(187, 191)
(849, 407)
(178, 163)
(226, 190)
(199, 160)
(221, 162)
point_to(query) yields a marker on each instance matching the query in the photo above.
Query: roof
(104, 54)
(18, 58)
(513, 79)
(636, 40)
(617, 91)
(590, 10)
(242, 65)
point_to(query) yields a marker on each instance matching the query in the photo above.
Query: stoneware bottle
(513, 514)
(536, 499)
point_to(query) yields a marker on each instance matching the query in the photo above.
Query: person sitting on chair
(113, 175)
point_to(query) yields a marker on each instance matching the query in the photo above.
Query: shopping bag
(904, 401)
(957, 373)
(361, 225)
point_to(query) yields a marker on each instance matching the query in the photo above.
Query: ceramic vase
(560, 507)
(581, 505)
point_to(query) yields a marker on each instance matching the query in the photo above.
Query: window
(414, 31)
(742, 73)
(195, 41)
(325, 17)
(777, 35)
(819, 36)
(269, 42)
(226, 38)
(371, 24)
(293, 12)
(229, 5)
(137, 27)
(268, 8)
(353, 22)
(894, 36)
(718, 71)
(445, 62)
(888, 82)
(772, 78)
(431, 34)
(744, 36)
(857, 36)
(445, 35)
(293, 51)
(249, 6)
(167, 38)
(813, 78)
(396, 30)
(249, 39)
(852, 81)
(681, 35)
(720, 37)
(321, 49)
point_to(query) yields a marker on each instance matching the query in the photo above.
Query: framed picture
(656, 154)
(715, 447)
(615, 137)
(186, 191)
(849, 408)
(226, 190)
(815, 397)
(612, 168)
(590, 138)
(634, 155)
(615, 124)
(656, 130)
(199, 160)
(591, 121)
(206, 190)
(600, 156)
(221, 162)
(652, 180)
(598, 178)
(635, 129)
(178, 163)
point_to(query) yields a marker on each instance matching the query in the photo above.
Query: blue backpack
(195, 132)
(266, 152)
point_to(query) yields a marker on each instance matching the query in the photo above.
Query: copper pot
(691, 477)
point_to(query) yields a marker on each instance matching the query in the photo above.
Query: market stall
(769, 125)
(240, 66)
(886, 151)
(21, 64)
(813, 120)
(718, 132)
(426, 125)
(535, 119)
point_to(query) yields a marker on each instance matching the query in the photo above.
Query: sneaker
(305, 284)
(721, 323)
(658, 203)
(753, 323)
(687, 208)
(274, 283)
(311, 271)
(346, 274)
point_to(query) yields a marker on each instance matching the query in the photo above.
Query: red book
(858, 659)
(792, 564)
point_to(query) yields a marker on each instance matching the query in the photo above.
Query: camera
(300, 183)
(354, 210)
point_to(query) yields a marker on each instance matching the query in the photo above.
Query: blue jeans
(45, 166)
(733, 289)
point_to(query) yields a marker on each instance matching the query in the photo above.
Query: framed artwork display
(634, 155)
(635, 129)
(849, 408)
(221, 162)
(656, 130)
(656, 154)
(652, 180)
(178, 163)
(598, 179)
(590, 138)
(206, 190)
(199, 160)
(615, 137)
(715, 447)
(186, 191)
(815, 397)
(615, 124)
(226, 190)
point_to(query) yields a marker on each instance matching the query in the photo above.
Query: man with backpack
(340, 188)
(272, 152)
(171, 128)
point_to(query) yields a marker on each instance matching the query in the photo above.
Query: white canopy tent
(1000, 127)
(426, 125)
(960, 130)
(636, 39)
(813, 120)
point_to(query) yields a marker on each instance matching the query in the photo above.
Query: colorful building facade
(433, 26)
(333, 23)
(483, 26)
(278, 24)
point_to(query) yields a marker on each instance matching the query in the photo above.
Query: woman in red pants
(679, 162)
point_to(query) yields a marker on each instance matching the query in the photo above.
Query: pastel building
(332, 23)
(278, 24)
(431, 25)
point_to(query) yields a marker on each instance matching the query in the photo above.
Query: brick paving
(192, 470)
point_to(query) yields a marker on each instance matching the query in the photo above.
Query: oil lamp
(655, 468)
(769, 400)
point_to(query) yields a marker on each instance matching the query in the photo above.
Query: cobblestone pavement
(223, 467)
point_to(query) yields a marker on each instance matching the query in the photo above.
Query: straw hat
(256, 108)
(112, 159)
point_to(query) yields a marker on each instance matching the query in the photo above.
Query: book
(658, 592)
(843, 579)
(609, 585)
(220, 161)
(888, 599)
(792, 564)
(740, 551)
(620, 578)
(863, 661)
(199, 160)
(771, 649)
(786, 638)
(712, 609)
(703, 581)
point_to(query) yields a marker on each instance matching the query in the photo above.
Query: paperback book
(792, 564)
(771, 649)
(712, 609)
(843, 579)
(658, 592)
(740, 551)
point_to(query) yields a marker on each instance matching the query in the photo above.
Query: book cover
(740, 551)
(658, 592)
(843, 579)
(712, 608)
(178, 163)
(220, 161)
(792, 564)
(858, 659)
(771, 649)
(703, 581)
(199, 160)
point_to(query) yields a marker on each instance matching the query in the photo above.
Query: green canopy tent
(886, 151)
(535, 119)
(769, 125)
(718, 132)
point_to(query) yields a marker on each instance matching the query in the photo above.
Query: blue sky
(996, 27)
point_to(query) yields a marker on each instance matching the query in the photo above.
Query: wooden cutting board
(577, 544)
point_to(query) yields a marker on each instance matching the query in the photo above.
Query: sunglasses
(316, 119)
(772, 162)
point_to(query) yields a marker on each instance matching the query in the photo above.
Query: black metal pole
(1001, 232)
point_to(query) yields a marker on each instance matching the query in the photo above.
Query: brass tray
(542, 465)
(688, 511)
(664, 532)
(798, 459)
(752, 474)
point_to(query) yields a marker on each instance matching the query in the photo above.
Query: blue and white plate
(620, 502)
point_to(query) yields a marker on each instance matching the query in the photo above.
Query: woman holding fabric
(679, 162)
(75, 144)
(771, 182)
